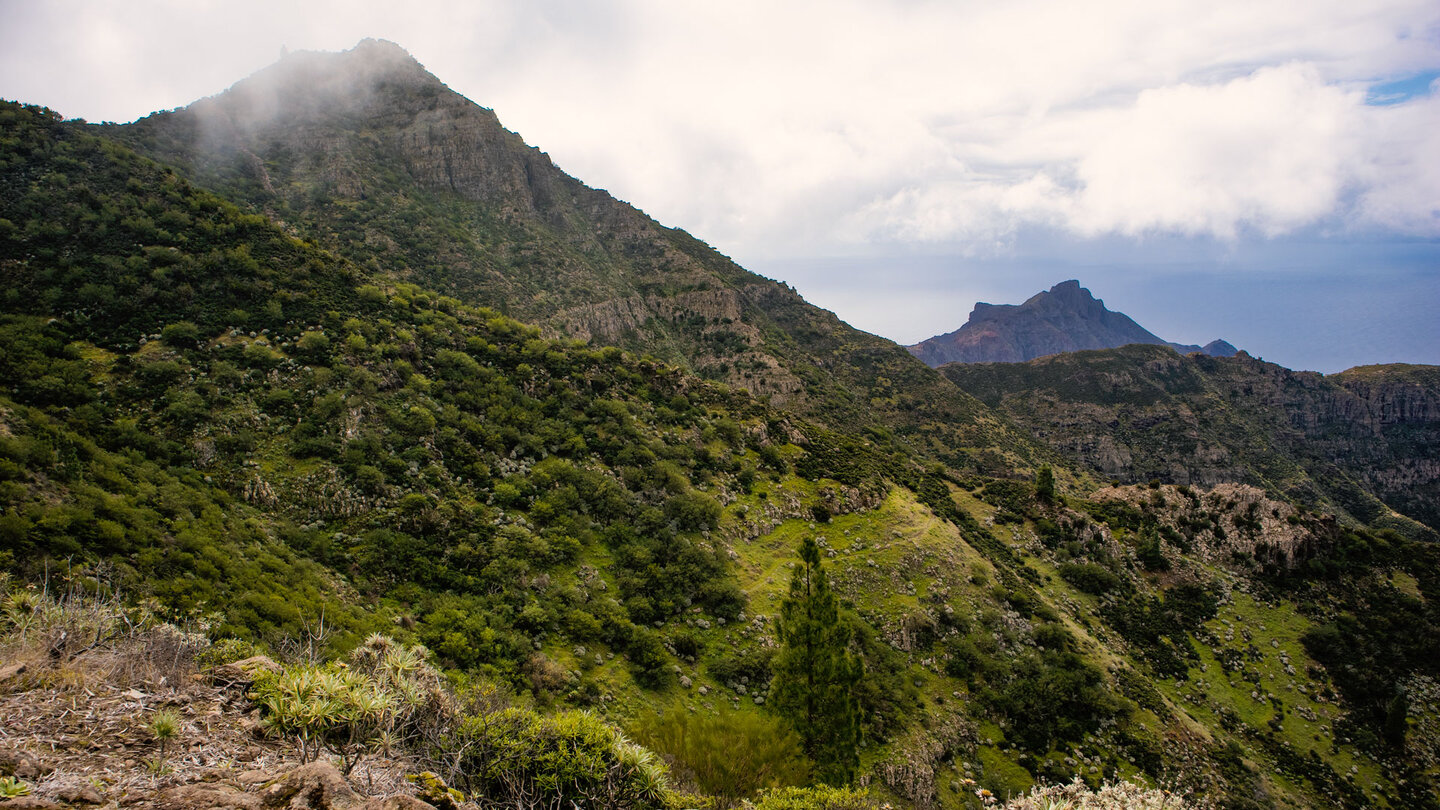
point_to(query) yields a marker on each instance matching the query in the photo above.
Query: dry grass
(92, 675)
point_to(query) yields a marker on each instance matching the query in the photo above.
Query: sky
(1261, 171)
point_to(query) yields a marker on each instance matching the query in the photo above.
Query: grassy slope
(287, 411)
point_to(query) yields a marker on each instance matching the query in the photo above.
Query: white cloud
(810, 127)
(1271, 151)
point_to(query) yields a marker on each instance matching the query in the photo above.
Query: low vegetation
(477, 551)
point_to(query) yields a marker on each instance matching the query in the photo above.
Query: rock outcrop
(1067, 318)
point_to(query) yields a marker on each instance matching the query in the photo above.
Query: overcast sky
(1265, 172)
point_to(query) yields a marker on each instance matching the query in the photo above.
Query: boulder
(32, 803)
(22, 765)
(202, 796)
(315, 786)
(242, 672)
(397, 803)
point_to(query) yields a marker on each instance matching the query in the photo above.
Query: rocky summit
(1067, 318)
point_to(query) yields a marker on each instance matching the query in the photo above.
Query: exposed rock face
(1353, 440)
(1067, 318)
(1248, 521)
(718, 318)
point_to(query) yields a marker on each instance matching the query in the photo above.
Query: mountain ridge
(1065, 318)
(430, 183)
(252, 406)
(1140, 412)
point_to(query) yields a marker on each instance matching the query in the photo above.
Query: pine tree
(815, 672)
(1045, 484)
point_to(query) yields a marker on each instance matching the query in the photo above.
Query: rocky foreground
(78, 739)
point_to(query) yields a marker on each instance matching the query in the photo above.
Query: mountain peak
(1065, 318)
(1070, 290)
(304, 85)
(379, 55)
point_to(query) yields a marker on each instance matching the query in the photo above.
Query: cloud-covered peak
(810, 128)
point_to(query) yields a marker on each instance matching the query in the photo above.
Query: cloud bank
(808, 128)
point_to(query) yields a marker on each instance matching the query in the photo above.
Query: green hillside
(1362, 442)
(221, 414)
(368, 154)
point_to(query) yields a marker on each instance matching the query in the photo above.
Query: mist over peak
(304, 84)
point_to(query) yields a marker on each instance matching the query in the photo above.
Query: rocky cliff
(1365, 441)
(1067, 318)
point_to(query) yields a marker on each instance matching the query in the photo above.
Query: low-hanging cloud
(813, 127)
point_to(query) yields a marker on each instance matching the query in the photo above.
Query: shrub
(182, 334)
(729, 756)
(226, 651)
(748, 665)
(692, 512)
(518, 758)
(1089, 577)
(1111, 796)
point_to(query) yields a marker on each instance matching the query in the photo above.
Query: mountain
(368, 154)
(243, 420)
(1067, 318)
(1364, 442)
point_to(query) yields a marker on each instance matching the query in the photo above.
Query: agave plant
(347, 710)
(1111, 796)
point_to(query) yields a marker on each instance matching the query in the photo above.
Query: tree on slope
(815, 672)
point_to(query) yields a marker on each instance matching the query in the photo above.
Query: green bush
(516, 757)
(730, 756)
(225, 651)
(182, 334)
(1090, 578)
(819, 797)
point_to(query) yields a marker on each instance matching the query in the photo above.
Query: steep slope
(1140, 412)
(1389, 433)
(297, 449)
(367, 153)
(1064, 319)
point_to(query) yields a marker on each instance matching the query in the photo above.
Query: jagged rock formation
(1067, 318)
(1143, 412)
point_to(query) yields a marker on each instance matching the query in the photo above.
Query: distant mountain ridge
(1365, 441)
(1067, 318)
